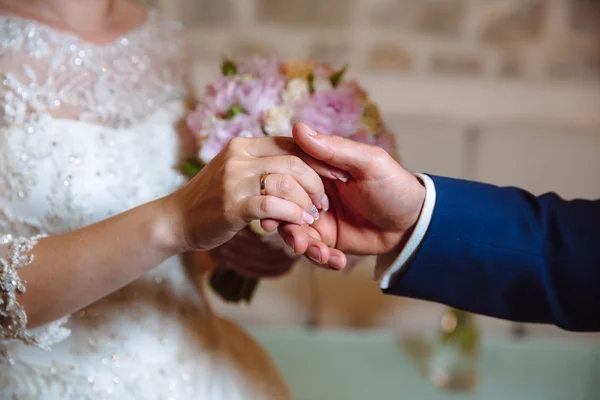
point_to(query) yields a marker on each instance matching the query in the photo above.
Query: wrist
(418, 196)
(166, 227)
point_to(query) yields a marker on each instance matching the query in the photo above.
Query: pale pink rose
(259, 95)
(220, 95)
(363, 136)
(387, 141)
(336, 112)
(209, 149)
(260, 67)
(383, 139)
(222, 131)
(354, 87)
(196, 119)
(323, 71)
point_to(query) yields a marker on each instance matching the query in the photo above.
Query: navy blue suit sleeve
(508, 254)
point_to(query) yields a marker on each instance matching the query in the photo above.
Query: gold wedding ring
(263, 184)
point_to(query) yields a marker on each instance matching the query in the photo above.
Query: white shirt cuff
(391, 264)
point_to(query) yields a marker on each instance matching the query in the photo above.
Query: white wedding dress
(87, 131)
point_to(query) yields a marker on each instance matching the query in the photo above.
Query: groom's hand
(374, 212)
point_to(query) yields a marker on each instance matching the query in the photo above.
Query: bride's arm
(71, 270)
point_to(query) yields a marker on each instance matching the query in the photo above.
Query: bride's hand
(220, 201)
(225, 196)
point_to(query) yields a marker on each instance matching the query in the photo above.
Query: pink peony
(215, 137)
(336, 112)
(259, 95)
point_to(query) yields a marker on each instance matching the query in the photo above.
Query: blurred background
(499, 91)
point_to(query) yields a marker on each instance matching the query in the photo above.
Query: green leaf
(336, 77)
(191, 167)
(311, 83)
(234, 111)
(228, 67)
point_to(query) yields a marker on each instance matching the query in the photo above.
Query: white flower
(246, 78)
(278, 121)
(321, 84)
(296, 90)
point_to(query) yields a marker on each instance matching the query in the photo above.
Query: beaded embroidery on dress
(86, 132)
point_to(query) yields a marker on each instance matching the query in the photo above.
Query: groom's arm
(505, 253)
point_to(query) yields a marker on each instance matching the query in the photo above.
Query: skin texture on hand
(225, 196)
(78, 267)
(373, 212)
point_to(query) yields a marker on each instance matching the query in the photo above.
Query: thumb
(358, 159)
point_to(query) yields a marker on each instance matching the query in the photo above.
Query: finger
(282, 186)
(281, 146)
(271, 207)
(319, 254)
(295, 236)
(359, 159)
(308, 179)
(325, 229)
(269, 225)
(336, 260)
(305, 240)
(302, 238)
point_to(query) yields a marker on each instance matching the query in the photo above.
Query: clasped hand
(326, 196)
(372, 212)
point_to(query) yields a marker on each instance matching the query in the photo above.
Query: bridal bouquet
(259, 97)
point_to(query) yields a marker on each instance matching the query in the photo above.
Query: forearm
(74, 269)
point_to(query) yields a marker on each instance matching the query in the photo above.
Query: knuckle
(377, 155)
(265, 206)
(295, 164)
(286, 185)
(236, 144)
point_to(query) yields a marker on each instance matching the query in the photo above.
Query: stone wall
(500, 91)
(504, 39)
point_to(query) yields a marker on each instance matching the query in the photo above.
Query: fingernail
(307, 218)
(314, 254)
(325, 202)
(310, 131)
(335, 263)
(315, 212)
(290, 242)
(342, 176)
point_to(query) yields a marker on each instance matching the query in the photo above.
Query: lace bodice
(86, 132)
(118, 84)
